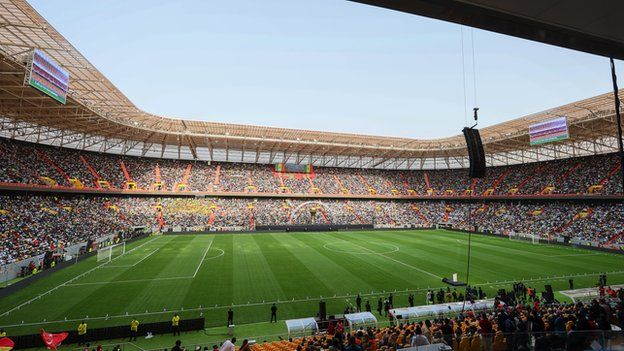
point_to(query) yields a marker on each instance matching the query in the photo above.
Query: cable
(461, 29)
(474, 70)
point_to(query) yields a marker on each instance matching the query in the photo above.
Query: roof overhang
(594, 27)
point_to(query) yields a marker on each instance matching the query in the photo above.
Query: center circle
(355, 249)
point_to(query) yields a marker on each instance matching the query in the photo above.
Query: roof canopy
(360, 319)
(99, 117)
(301, 326)
(590, 26)
(444, 308)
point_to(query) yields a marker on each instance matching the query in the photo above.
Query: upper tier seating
(25, 163)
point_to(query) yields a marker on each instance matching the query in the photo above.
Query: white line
(217, 256)
(393, 259)
(203, 257)
(137, 346)
(575, 255)
(129, 281)
(71, 280)
(143, 259)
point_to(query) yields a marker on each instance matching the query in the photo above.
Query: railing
(533, 341)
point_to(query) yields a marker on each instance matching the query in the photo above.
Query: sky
(329, 65)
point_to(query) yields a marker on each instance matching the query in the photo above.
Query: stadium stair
(569, 172)
(499, 180)
(385, 215)
(252, 219)
(313, 188)
(92, 171)
(470, 191)
(405, 183)
(53, 164)
(447, 212)
(327, 221)
(125, 172)
(250, 184)
(340, 185)
(212, 218)
(528, 178)
(157, 177)
(611, 173)
(217, 174)
(581, 215)
(365, 182)
(282, 185)
(160, 220)
(420, 215)
(187, 174)
(614, 238)
(350, 208)
(286, 206)
(426, 176)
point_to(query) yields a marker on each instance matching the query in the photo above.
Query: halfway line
(203, 257)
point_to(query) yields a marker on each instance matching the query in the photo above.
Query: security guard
(134, 329)
(175, 324)
(82, 333)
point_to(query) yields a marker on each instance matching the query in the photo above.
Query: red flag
(6, 344)
(52, 341)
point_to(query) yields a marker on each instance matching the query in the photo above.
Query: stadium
(125, 230)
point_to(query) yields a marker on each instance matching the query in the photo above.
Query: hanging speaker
(475, 152)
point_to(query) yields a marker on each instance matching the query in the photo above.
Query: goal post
(532, 238)
(109, 252)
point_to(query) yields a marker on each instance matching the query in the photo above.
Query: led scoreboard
(48, 77)
(549, 131)
(292, 168)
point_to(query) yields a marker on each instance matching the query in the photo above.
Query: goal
(525, 237)
(109, 252)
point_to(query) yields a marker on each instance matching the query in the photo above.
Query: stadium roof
(595, 27)
(99, 117)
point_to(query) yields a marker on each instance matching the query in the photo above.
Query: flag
(6, 344)
(52, 341)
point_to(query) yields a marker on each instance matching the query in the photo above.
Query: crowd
(529, 324)
(27, 163)
(30, 224)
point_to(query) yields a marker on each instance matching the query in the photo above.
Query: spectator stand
(363, 319)
(301, 326)
(418, 312)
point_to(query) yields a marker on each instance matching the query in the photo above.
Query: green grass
(203, 275)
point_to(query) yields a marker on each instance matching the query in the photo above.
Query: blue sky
(328, 65)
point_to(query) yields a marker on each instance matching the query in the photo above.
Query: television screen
(48, 77)
(549, 131)
(293, 168)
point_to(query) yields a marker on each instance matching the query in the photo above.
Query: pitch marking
(203, 258)
(396, 249)
(6, 313)
(394, 259)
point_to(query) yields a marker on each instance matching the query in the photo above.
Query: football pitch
(204, 275)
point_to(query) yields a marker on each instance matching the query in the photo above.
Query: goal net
(110, 252)
(524, 237)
